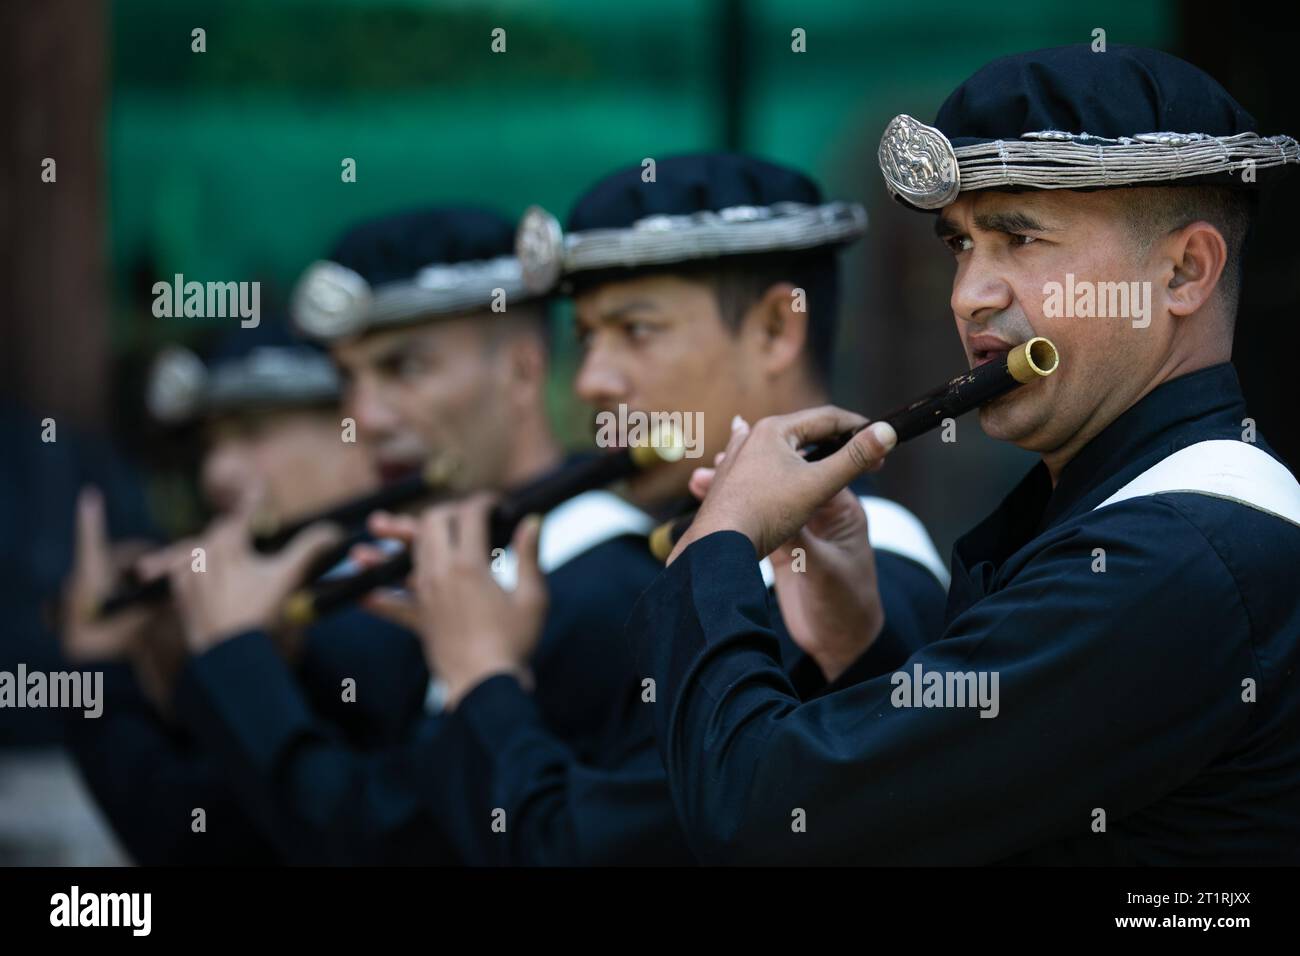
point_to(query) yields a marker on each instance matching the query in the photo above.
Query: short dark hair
(1156, 211)
(532, 317)
(739, 282)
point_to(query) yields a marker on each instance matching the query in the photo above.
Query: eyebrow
(627, 308)
(1008, 222)
(945, 228)
(399, 349)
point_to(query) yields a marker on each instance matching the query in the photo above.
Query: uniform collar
(1201, 405)
(1188, 409)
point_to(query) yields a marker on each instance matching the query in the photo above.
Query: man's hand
(392, 604)
(828, 595)
(470, 626)
(84, 637)
(825, 577)
(764, 488)
(239, 590)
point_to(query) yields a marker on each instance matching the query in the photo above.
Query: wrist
(705, 525)
(460, 684)
(833, 662)
(204, 638)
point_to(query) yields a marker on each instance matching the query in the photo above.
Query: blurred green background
(226, 164)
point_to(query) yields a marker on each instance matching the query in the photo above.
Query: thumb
(530, 587)
(91, 561)
(864, 452)
(302, 550)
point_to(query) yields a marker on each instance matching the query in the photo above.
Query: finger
(127, 553)
(367, 555)
(530, 586)
(91, 555)
(304, 548)
(816, 424)
(865, 451)
(382, 524)
(393, 604)
(841, 516)
(181, 578)
(739, 433)
(155, 563)
(433, 544)
(701, 481)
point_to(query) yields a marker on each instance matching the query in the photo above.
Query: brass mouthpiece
(298, 610)
(666, 445)
(661, 541)
(1037, 358)
(439, 470)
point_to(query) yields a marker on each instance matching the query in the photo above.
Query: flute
(1034, 360)
(538, 497)
(271, 536)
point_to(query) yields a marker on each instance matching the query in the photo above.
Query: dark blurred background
(226, 164)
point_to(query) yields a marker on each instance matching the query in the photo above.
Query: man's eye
(1019, 239)
(958, 244)
(409, 366)
(582, 336)
(638, 330)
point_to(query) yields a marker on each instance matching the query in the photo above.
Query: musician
(712, 289)
(1134, 595)
(442, 352)
(267, 405)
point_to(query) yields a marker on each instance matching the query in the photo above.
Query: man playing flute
(1117, 680)
(268, 408)
(442, 352)
(711, 289)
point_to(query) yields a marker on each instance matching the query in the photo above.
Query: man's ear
(780, 321)
(527, 364)
(1197, 256)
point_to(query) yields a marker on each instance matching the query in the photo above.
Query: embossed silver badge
(330, 301)
(918, 163)
(539, 246)
(176, 384)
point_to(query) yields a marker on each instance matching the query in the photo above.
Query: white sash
(1233, 470)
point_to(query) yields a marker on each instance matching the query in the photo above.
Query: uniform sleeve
(554, 807)
(149, 779)
(386, 663)
(568, 775)
(548, 807)
(1113, 689)
(323, 801)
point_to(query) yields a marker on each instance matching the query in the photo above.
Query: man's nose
(226, 473)
(366, 404)
(979, 292)
(600, 380)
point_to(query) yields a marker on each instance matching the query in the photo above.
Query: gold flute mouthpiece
(1037, 358)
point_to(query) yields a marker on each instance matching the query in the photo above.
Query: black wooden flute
(1025, 363)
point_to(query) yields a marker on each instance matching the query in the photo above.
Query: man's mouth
(393, 471)
(987, 348)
